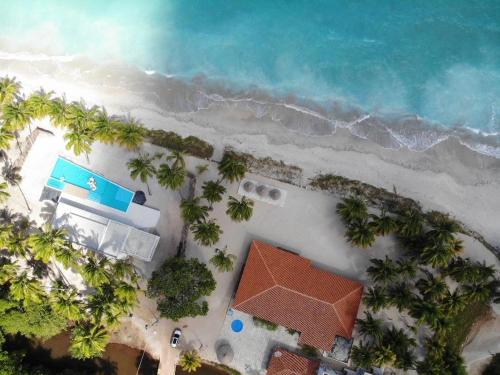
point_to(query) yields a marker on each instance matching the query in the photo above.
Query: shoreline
(448, 177)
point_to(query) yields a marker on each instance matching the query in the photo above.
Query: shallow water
(439, 60)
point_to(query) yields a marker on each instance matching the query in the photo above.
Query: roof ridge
(255, 295)
(265, 264)
(340, 319)
(348, 294)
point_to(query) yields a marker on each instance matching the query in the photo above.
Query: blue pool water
(438, 59)
(107, 193)
(237, 325)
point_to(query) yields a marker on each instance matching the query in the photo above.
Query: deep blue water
(439, 59)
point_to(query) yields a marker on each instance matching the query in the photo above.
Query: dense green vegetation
(190, 361)
(179, 285)
(270, 326)
(441, 293)
(37, 302)
(190, 145)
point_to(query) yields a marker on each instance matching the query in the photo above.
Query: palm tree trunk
(18, 145)
(149, 190)
(87, 157)
(24, 196)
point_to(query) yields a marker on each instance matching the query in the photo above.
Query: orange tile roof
(286, 289)
(284, 362)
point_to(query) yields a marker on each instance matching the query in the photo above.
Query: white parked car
(176, 337)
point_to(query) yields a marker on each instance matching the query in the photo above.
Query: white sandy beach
(448, 177)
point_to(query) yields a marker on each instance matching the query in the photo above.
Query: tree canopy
(179, 285)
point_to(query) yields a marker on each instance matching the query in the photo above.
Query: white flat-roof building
(113, 233)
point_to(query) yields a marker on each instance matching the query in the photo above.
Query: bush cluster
(190, 145)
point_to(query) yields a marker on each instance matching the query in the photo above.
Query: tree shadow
(35, 356)
(149, 365)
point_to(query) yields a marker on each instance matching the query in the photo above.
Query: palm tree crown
(88, 341)
(130, 134)
(142, 167)
(169, 177)
(206, 233)
(223, 261)
(9, 90)
(6, 137)
(352, 209)
(382, 270)
(239, 210)
(104, 129)
(47, 242)
(190, 361)
(213, 191)
(232, 167)
(192, 211)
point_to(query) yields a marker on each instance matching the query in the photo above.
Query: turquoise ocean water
(438, 59)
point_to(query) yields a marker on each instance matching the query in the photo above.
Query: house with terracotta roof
(283, 362)
(286, 289)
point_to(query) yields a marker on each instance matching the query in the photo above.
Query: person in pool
(91, 182)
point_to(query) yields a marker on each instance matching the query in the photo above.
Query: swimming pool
(106, 192)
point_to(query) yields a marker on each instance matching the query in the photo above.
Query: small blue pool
(237, 325)
(106, 192)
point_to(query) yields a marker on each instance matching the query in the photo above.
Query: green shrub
(173, 141)
(270, 326)
(309, 351)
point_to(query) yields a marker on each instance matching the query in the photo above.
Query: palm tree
(433, 288)
(60, 113)
(362, 355)
(397, 340)
(67, 303)
(239, 210)
(142, 167)
(477, 292)
(192, 211)
(383, 355)
(171, 178)
(383, 270)
(232, 167)
(410, 224)
(444, 228)
(352, 209)
(15, 118)
(130, 134)
(376, 299)
(8, 272)
(39, 104)
(200, 169)
(401, 296)
(9, 90)
(4, 194)
(126, 293)
(223, 261)
(370, 327)
(122, 269)
(178, 158)
(12, 176)
(94, 271)
(16, 244)
(67, 255)
(360, 233)
(190, 361)
(80, 116)
(454, 302)
(407, 268)
(206, 233)
(26, 290)
(383, 225)
(88, 341)
(426, 312)
(104, 129)
(6, 137)
(79, 140)
(213, 192)
(437, 254)
(46, 243)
